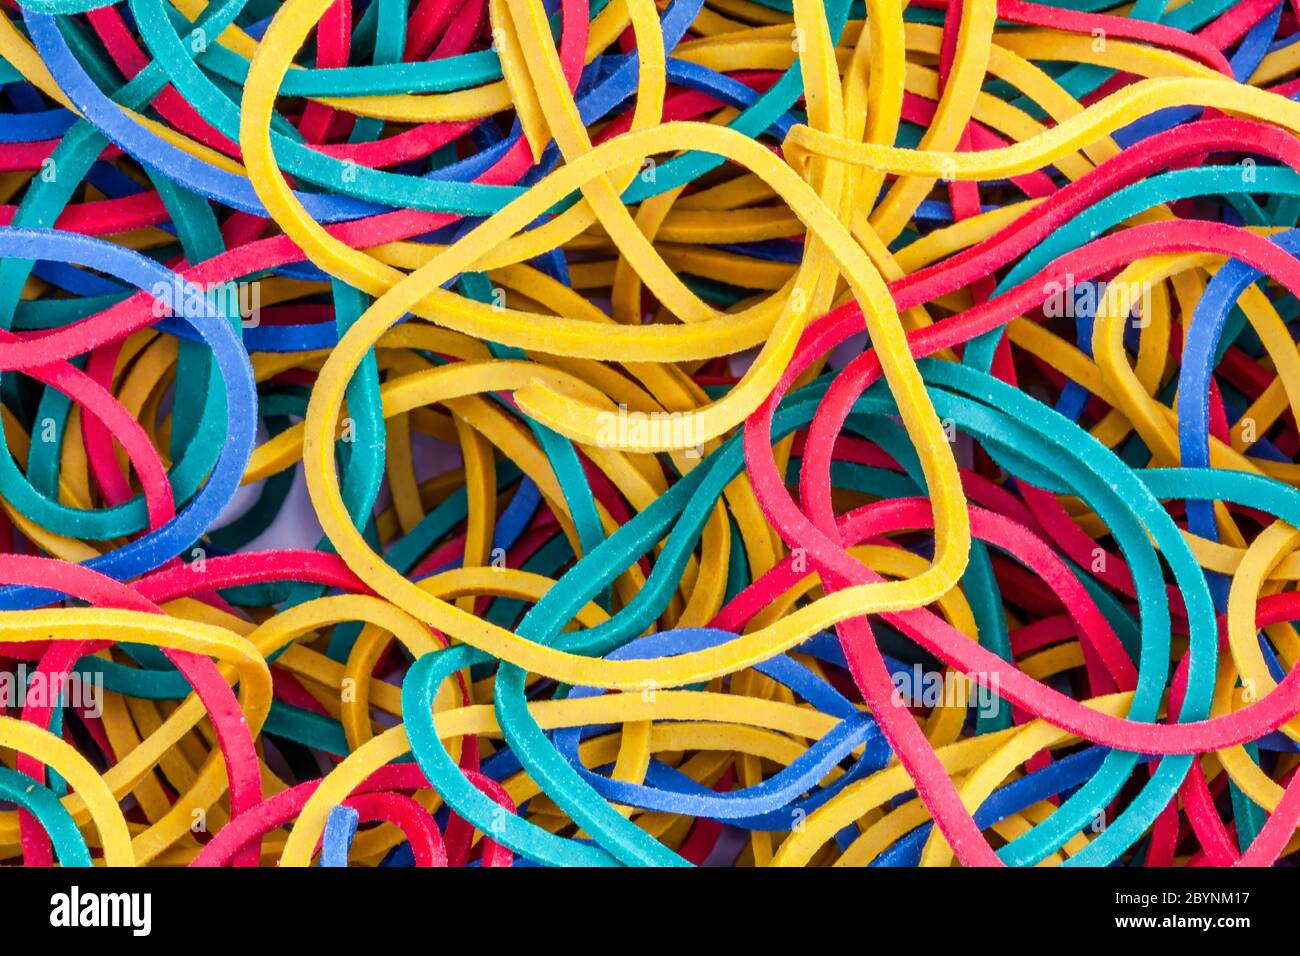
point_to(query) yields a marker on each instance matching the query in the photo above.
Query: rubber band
(604, 433)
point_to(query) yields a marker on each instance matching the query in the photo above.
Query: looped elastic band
(607, 433)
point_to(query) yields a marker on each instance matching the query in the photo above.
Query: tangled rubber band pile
(728, 432)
